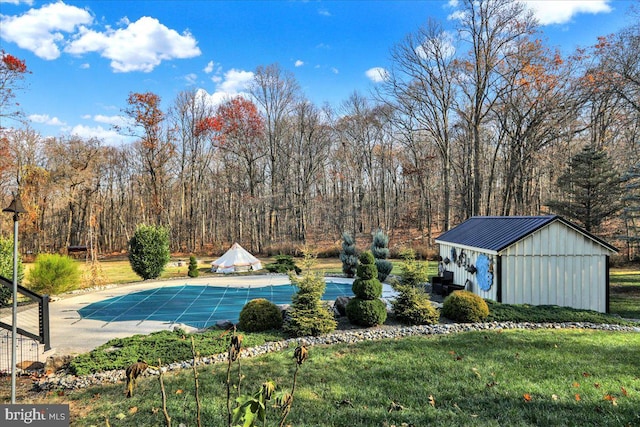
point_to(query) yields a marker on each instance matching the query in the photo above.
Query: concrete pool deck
(72, 334)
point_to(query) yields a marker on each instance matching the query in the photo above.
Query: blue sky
(87, 56)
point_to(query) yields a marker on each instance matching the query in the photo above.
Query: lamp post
(16, 208)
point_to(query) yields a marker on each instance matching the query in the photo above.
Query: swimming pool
(199, 306)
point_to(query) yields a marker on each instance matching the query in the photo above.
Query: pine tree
(366, 308)
(592, 189)
(193, 267)
(380, 251)
(348, 255)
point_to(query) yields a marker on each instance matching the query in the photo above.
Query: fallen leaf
(586, 374)
(577, 397)
(491, 384)
(179, 391)
(121, 416)
(458, 357)
(475, 371)
(527, 397)
(133, 410)
(596, 385)
(452, 352)
(624, 391)
(432, 401)
(154, 410)
(554, 397)
(576, 385)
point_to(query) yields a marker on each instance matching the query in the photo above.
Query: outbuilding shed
(537, 260)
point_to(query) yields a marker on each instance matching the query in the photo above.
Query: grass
(625, 293)
(489, 378)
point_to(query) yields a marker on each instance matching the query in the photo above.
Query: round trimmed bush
(367, 289)
(465, 306)
(413, 306)
(367, 268)
(260, 315)
(364, 312)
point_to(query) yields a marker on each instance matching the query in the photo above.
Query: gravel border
(66, 381)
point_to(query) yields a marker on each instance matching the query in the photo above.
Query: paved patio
(71, 334)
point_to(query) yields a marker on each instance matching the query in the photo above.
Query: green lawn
(625, 293)
(491, 378)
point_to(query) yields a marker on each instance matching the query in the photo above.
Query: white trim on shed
(551, 262)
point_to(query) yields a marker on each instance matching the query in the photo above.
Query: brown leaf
(577, 397)
(554, 397)
(133, 410)
(624, 391)
(432, 401)
(596, 385)
(179, 391)
(586, 374)
(576, 385)
(492, 384)
(527, 397)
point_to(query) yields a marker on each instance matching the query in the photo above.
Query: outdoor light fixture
(16, 208)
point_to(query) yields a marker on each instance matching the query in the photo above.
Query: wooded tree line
(482, 120)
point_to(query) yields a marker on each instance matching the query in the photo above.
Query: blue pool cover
(196, 306)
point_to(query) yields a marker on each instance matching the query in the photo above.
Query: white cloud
(85, 66)
(334, 70)
(108, 136)
(110, 120)
(561, 12)
(140, 46)
(377, 74)
(440, 46)
(16, 2)
(191, 78)
(299, 63)
(46, 119)
(324, 12)
(209, 68)
(41, 30)
(234, 83)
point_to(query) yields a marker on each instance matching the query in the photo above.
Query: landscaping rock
(340, 305)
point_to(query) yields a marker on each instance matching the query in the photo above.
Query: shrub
(364, 312)
(193, 267)
(413, 306)
(380, 251)
(366, 309)
(348, 255)
(260, 315)
(465, 306)
(149, 251)
(54, 274)
(283, 264)
(308, 314)
(6, 269)
(413, 273)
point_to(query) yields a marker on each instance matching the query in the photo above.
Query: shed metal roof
(496, 233)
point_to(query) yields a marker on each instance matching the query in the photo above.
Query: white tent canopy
(236, 259)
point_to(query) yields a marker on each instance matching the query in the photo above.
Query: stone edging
(71, 382)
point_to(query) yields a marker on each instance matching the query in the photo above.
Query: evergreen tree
(366, 308)
(149, 251)
(193, 267)
(592, 189)
(308, 314)
(380, 251)
(348, 255)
